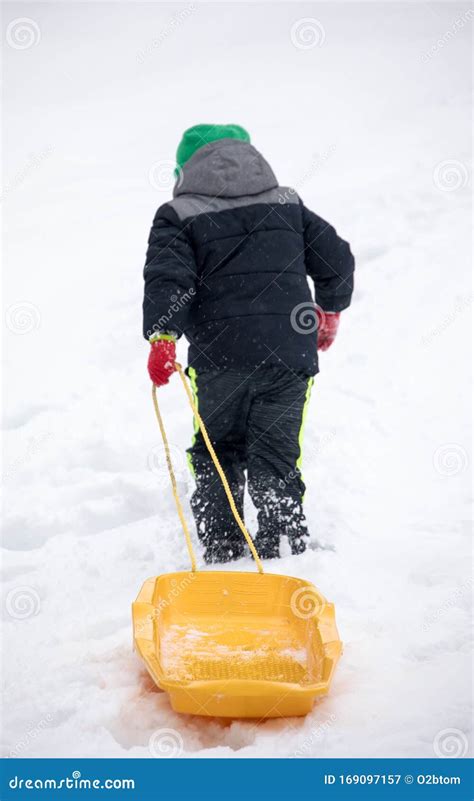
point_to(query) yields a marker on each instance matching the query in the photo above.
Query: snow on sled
(239, 645)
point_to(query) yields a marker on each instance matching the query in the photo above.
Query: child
(227, 266)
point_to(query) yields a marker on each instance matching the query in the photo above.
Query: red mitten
(161, 360)
(327, 330)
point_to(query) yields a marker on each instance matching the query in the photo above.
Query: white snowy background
(365, 111)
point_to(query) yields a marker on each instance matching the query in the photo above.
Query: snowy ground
(371, 125)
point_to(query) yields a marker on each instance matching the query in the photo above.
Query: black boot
(267, 547)
(279, 515)
(216, 527)
(221, 551)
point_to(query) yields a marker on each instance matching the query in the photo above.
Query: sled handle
(217, 465)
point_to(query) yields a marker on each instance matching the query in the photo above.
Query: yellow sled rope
(218, 467)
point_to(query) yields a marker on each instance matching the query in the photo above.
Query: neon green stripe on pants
(299, 461)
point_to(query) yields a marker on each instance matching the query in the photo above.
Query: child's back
(227, 266)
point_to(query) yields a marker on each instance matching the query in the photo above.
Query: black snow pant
(254, 421)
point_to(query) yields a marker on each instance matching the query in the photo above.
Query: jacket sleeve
(170, 275)
(329, 262)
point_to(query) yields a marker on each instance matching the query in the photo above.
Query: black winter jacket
(228, 261)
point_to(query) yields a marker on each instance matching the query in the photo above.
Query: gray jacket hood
(225, 168)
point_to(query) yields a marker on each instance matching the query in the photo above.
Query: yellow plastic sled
(233, 644)
(240, 645)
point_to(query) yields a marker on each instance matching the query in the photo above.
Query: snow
(372, 128)
(188, 652)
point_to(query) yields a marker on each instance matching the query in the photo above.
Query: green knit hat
(200, 135)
